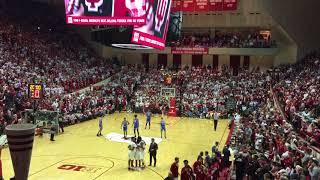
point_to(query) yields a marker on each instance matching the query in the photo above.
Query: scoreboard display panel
(150, 35)
(105, 12)
(154, 32)
(35, 91)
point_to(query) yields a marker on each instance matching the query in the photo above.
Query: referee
(215, 120)
(153, 152)
(52, 132)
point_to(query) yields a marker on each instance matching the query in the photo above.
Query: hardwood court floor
(107, 160)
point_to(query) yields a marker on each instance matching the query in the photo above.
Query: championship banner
(188, 5)
(202, 6)
(186, 50)
(176, 5)
(105, 12)
(153, 33)
(230, 5)
(215, 5)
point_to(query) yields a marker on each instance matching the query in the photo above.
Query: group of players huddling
(136, 154)
(137, 146)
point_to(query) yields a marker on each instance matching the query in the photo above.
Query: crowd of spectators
(272, 146)
(208, 89)
(39, 48)
(224, 39)
(113, 95)
(298, 91)
(209, 165)
(266, 145)
(148, 94)
(196, 94)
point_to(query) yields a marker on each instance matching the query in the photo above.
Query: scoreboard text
(35, 91)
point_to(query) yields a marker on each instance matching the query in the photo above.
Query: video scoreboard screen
(105, 12)
(35, 91)
(148, 19)
(154, 32)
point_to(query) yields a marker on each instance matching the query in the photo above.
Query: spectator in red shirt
(175, 168)
(213, 171)
(198, 169)
(186, 171)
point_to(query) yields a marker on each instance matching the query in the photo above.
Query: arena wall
(298, 18)
(264, 62)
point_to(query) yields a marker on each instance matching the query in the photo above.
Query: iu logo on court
(77, 168)
(93, 5)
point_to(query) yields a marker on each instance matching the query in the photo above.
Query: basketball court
(79, 154)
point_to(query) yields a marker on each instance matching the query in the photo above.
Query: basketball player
(124, 126)
(136, 156)
(52, 132)
(162, 108)
(136, 126)
(215, 120)
(142, 147)
(131, 155)
(163, 127)
(100, 127)
(148, 114)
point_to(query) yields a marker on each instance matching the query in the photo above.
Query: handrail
(88, 88)
(315, 150)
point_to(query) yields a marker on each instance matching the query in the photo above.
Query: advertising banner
(176, 5)
(188, 5)
(229, 5)
(187, 50)
(202, 6)
(215, 5)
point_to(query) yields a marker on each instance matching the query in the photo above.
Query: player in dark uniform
(100, 127)
(52, 132)
(124, 126)
(148, 121)
(163, 128)
(90, 7)
(136, 125)
(215, 120)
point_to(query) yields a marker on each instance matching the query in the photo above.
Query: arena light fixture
(131, 46)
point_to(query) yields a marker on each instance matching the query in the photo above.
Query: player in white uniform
(131, 155)
(142, 147)
(137, 156)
